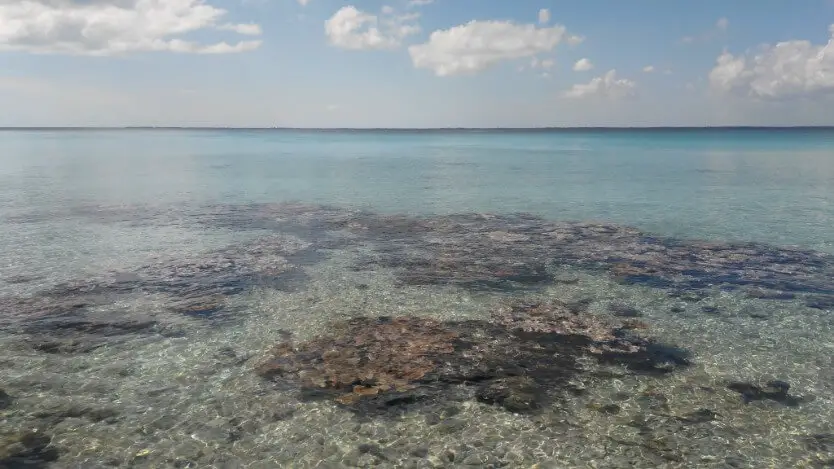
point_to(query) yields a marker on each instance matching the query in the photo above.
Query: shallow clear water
(144, 274)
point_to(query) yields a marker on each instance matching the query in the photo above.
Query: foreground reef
(529, 353)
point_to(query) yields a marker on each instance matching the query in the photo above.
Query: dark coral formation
(31, 450)
(73, 317)
(527, 354)
(501, 253)
(774, 390)
(365, 357)
(513, 251)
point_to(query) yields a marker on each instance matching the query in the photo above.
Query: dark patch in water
(522, 359)
(776, 391)
(26, 450)
(821, 302)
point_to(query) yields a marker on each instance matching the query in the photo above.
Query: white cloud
(582, 65)
(350, 28)
(793, 68)
(86, 27)
(249, 29)
(722, 24)
(547, 64)
(303, 2)
(575, 40)
(608, 86)
(419, 3)
(544, 16)
(478, 45)
(648, 68)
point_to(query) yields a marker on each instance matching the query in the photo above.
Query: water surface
(145, 275)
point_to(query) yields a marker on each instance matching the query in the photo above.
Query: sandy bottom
(191, 398)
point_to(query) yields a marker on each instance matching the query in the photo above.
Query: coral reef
(527, 354)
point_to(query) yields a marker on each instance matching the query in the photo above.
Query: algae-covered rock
(5, 399)
(28, 449)
(526, 354)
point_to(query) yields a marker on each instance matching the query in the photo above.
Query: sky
(416, 63)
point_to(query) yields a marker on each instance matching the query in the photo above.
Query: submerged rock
(522, 358)
(28, 449)
(5, 400)
(516, 394)
(624, 311)
(776, 391)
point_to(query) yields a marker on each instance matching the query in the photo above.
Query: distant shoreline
(431, 130)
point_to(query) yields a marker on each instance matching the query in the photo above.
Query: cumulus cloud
(608, 86)
(350, 28)
(478, 45)
(544, 16)
(97, 27)
(582, 65)
(795, 68)
(648, 68)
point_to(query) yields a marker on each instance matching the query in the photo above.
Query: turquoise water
(770, 186)
(145, 274)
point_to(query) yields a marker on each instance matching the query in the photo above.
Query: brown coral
(366, 357)
(531, 349)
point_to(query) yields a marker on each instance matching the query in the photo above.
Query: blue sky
(406, 63)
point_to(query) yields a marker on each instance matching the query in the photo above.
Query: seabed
(330, 337)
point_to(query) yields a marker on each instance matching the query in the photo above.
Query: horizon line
(418, 129)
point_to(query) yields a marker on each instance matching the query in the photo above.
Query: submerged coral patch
(525, 356)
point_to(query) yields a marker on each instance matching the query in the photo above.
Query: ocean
(604, 298)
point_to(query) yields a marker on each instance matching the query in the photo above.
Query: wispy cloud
(720, 27)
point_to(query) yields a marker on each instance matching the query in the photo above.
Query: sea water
(110, 353)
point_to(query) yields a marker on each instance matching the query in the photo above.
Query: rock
(775, 390)
(699, 416)
(473, 460)
(5, 400)
(824, 302)
(624, 311)
(735, 461)
(26, 449)
(372, 449)
(610, 409)
(516, 394)
(689, 297)
(65, 410)
(419, 452)
(432, 419)
(373, 365)
(820, 442)
(565, 279)
(654, 400)
(449, 426)
(450, 455)
(764, 294)
(710, 309)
